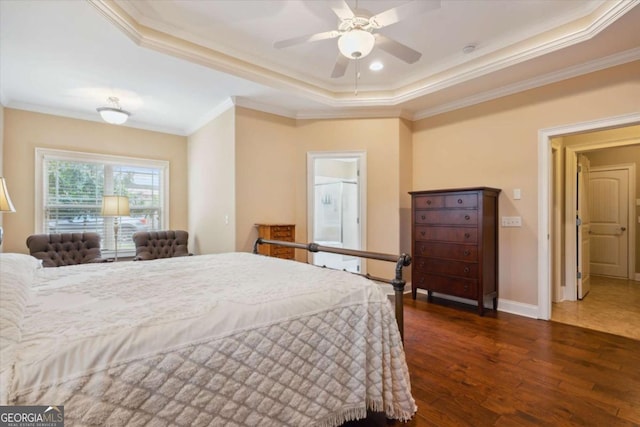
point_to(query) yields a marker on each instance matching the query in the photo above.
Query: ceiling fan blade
(341, 9)
(397, 49)
(308, 38)
(391, 16)
(342, 62)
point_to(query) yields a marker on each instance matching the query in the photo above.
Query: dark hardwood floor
(508, 370)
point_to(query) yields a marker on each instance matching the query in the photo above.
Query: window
(70, 186)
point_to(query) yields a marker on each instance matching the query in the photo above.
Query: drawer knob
(467, 217)
(467, 252)
(467, 235)
(422, 233)
(423, 217)
(428, 202)
(466, 287)
(459, 201)
(467, 269)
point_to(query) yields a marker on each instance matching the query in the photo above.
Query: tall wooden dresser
(284, 232)
(455, 243)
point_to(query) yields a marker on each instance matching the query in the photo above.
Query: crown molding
(567, 73)
(575, 32)
(91, 117)
(217, 111)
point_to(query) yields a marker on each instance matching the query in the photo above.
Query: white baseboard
(637, 277)
(512, 307)
(521, 309)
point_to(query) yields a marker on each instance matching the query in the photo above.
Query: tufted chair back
(60, 249)
(161, 244)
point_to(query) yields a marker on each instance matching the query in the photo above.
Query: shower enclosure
(336, 211)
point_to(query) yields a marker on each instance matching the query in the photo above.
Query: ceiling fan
(357, 32)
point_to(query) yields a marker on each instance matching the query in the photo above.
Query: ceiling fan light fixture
(114, 114)
(356, 44)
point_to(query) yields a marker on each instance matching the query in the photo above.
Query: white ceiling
(175, 64)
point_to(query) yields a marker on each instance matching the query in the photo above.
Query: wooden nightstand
(284, 232)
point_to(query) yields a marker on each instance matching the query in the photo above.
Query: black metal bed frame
(397, 282)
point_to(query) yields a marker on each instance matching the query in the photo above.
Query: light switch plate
(517, 194)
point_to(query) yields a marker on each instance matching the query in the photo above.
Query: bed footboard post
(398, 289)
(256, 243)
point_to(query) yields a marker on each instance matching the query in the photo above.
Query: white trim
(361, 156)
(544, 194)
(637, 277)
(212, 114)
(521, 309)
(504, 305)
(537, 81)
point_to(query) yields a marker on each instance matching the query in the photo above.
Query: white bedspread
(222, 340)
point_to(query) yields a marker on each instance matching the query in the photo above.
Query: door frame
(631, 211)
(361, 156)
(545, 205)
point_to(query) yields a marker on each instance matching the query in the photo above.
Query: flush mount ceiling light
(113, 114)
(356, 44)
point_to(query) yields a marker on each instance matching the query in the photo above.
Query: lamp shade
(356, 44)
(5, 201)
(115, 206)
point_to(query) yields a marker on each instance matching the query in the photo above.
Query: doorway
(335, 206)
(546, 192)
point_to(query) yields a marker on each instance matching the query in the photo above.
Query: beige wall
(380, 139)
(495, 144)
(271, 174)
(266, 186)
(24, 131)
(212, 210)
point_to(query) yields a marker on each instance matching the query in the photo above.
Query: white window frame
(43, 154)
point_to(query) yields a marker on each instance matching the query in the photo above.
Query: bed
(228, 339)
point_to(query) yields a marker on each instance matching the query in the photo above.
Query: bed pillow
(16, 277)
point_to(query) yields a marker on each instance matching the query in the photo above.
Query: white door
(609, 208)
(335, 207)
(583, 227)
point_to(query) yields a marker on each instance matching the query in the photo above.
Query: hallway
(613, 306)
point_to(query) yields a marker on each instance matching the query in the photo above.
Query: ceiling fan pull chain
(357, 76)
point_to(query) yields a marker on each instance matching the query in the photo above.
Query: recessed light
(376, 66)
(469, 48)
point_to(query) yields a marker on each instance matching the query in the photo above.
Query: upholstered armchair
(161, 244)
(60, 249)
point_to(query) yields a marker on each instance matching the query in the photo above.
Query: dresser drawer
(461, 201)
(426, 202)
(468, 270)
(446, 251)
(450, 216)
(447, 234)
(463, 288)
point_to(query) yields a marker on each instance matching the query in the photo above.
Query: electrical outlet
(512, 221)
